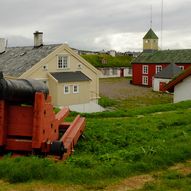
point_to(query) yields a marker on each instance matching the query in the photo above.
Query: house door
(121, 72)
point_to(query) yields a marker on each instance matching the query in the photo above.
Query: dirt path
(135, 182)
(138, 182)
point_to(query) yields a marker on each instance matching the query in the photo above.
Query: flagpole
(162, 24)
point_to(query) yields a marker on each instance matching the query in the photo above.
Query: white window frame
(78, 88)
(145, 80)
(181, 67)
(158, 68)
(106, 72)
(130, 71)
(114, 71)
(66, 86)
(62, 62)
(145, 69)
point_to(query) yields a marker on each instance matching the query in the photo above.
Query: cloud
(101, 24)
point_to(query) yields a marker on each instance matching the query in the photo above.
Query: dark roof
(169, 72)
(70, 76)
(17, 60)
(182, 56)
(150, 35)
(177, 79)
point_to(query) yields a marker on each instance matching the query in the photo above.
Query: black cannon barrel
(21, 90)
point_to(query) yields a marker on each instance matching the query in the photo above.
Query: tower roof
(150, 35)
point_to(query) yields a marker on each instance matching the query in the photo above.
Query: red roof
(170, 86)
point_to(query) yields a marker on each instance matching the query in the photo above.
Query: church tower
(150, 41)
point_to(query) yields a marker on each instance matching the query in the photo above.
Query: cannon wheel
(57, 148)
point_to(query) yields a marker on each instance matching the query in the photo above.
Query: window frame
(143, 80)
(114, 71)
(66, 86)
(181, 67)
(158, 68)
(62, 62)
(78, 89)
(147, 41)
(145, 69)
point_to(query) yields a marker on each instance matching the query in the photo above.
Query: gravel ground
(120, 88)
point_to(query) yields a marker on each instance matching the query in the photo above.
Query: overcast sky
(96, 24)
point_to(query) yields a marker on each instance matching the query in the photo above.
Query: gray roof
(182, 56)
(17, 60)
(70, 76)
(169, 72)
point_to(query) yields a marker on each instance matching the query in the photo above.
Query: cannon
(28, 123)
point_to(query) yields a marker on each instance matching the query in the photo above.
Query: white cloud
(101, 24)
(120, 41)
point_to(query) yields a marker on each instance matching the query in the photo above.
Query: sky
(96, 24)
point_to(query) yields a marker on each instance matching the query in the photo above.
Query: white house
(181, 86)
(164, 76)
(72, 81)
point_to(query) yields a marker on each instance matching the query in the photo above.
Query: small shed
(164, 76)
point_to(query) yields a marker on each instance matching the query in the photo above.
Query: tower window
(146, 41)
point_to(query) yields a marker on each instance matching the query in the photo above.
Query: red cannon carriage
(28, 124)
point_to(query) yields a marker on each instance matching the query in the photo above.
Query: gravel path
(120, 88)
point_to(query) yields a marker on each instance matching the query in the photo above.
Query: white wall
(182, 91)
(156, 83)
(109, 73)
(127, 72)
(2, 45)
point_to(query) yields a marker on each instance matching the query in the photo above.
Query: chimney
(38, 39)
(2, 45)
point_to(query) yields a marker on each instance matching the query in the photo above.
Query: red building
(152, 60)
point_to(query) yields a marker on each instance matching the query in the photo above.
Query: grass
(171, 180)
(131, 138)
(113, 148)
(125, 112)
(107, 102)
(117, 61)
(141, 101)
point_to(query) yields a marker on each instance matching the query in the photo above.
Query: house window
(181, 67)
(62, 62)
(75, 89)
(158, 68)
(66, 89)
(114, 71)
(145, 69)
(106, 72)
(130, 71)
(145, 80)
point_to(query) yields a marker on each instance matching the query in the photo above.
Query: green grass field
(117, 145)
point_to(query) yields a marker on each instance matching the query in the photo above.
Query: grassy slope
(118, 61)
(114, 148)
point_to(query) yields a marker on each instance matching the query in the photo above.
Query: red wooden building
(152, 60)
